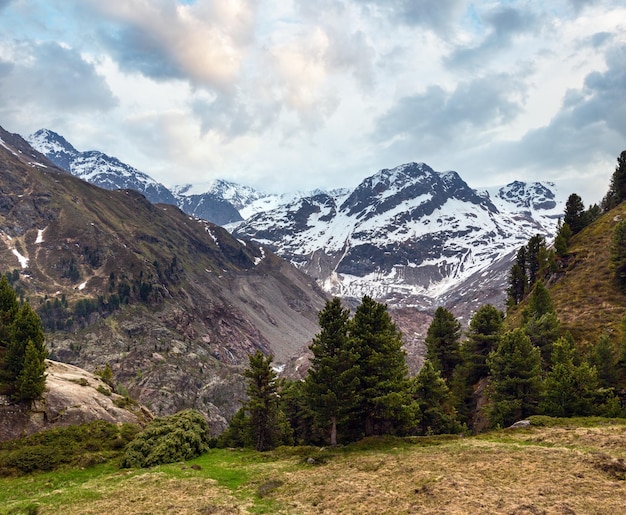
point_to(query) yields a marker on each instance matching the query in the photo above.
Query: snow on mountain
(98, 168)
(405, 233)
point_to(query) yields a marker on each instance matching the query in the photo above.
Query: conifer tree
(516, 378)
(518, 280)
(617, 188)
(539, 302)
(569, 389)
(435, 407)
(442, 342)
(383, 392)
(31, 380)
(333, 377)
(267, 422)
(482, 338)
(604, 358)
(561, 242)
(533, 254)
(574, 213)
(543, 332)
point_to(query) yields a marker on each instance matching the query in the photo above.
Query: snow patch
(40, 236)
(81, 286)
(23, 260)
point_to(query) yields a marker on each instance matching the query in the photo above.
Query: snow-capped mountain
(407, 234)
(110, 173)
(98, 168)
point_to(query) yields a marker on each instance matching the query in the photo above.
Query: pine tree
(435, 406)
(31, 380)
(561, 242)
(617, 188)
(518, 280)
(442, 342)
(604, 358)
(574, 213)
(516, 378)
(539, 302)
(383, 393)
(569, 389)
(533, 261)
(266, 420)
(482, 338)
(333, 378)
(543, 332)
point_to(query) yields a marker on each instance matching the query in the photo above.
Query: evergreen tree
(267, 422)
(604, 358)
(442, 342)
(295, 405)
(435, 407)
(618, 253)
(543, 332)
(518, 280)
(617, 188)
(533, 253)
(539, 303)
(383, 393)
(482, 338)
(516, 378)
(31, 380)
(333, 378)
(561, 242)
(574, 213)
(569, 389)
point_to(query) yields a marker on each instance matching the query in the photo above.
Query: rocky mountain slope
(409, 235)
(175, 304)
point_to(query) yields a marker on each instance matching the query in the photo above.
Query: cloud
(505, 24)
(435, 15)
(48, 76)
(440, 115)
(203, 42)
(4, 3)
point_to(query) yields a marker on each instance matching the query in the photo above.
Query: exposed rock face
(72, 396)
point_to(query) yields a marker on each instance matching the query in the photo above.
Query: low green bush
(179, 437)
(80, 445)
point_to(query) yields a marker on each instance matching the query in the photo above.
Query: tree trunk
(333, 431)
(369, 426)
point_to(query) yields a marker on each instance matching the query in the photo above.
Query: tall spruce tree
(267, 421)
(617, 188)
(518, 279)
(435, 405)
(384, 400)
(569, 389)
(333, 377)
(19, 327)
(574, 213)
(534, 263)
(516, 378)
(442, 342)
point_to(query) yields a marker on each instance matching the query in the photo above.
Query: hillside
(568, 467)
(174, 304)
(585, 297)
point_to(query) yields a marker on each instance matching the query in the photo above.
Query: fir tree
(482, 338)
(561, 242)
(516, 378)
(574, 213)
(539, 303)
(383, 393)
(604, 358)
(543, 332)
(435, 407)
(518, 280)
(267, 422)
(332, 380)
(31, 380)
(617, 188)
(442, 342)
(570, 389)
(533, 255)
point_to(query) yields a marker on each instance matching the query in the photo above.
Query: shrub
(179, 437)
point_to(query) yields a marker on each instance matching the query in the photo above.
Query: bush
(81, 445)
(179, 437)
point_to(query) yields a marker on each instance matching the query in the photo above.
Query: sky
(286, 95)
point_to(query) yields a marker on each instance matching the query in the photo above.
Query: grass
(555, 466)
